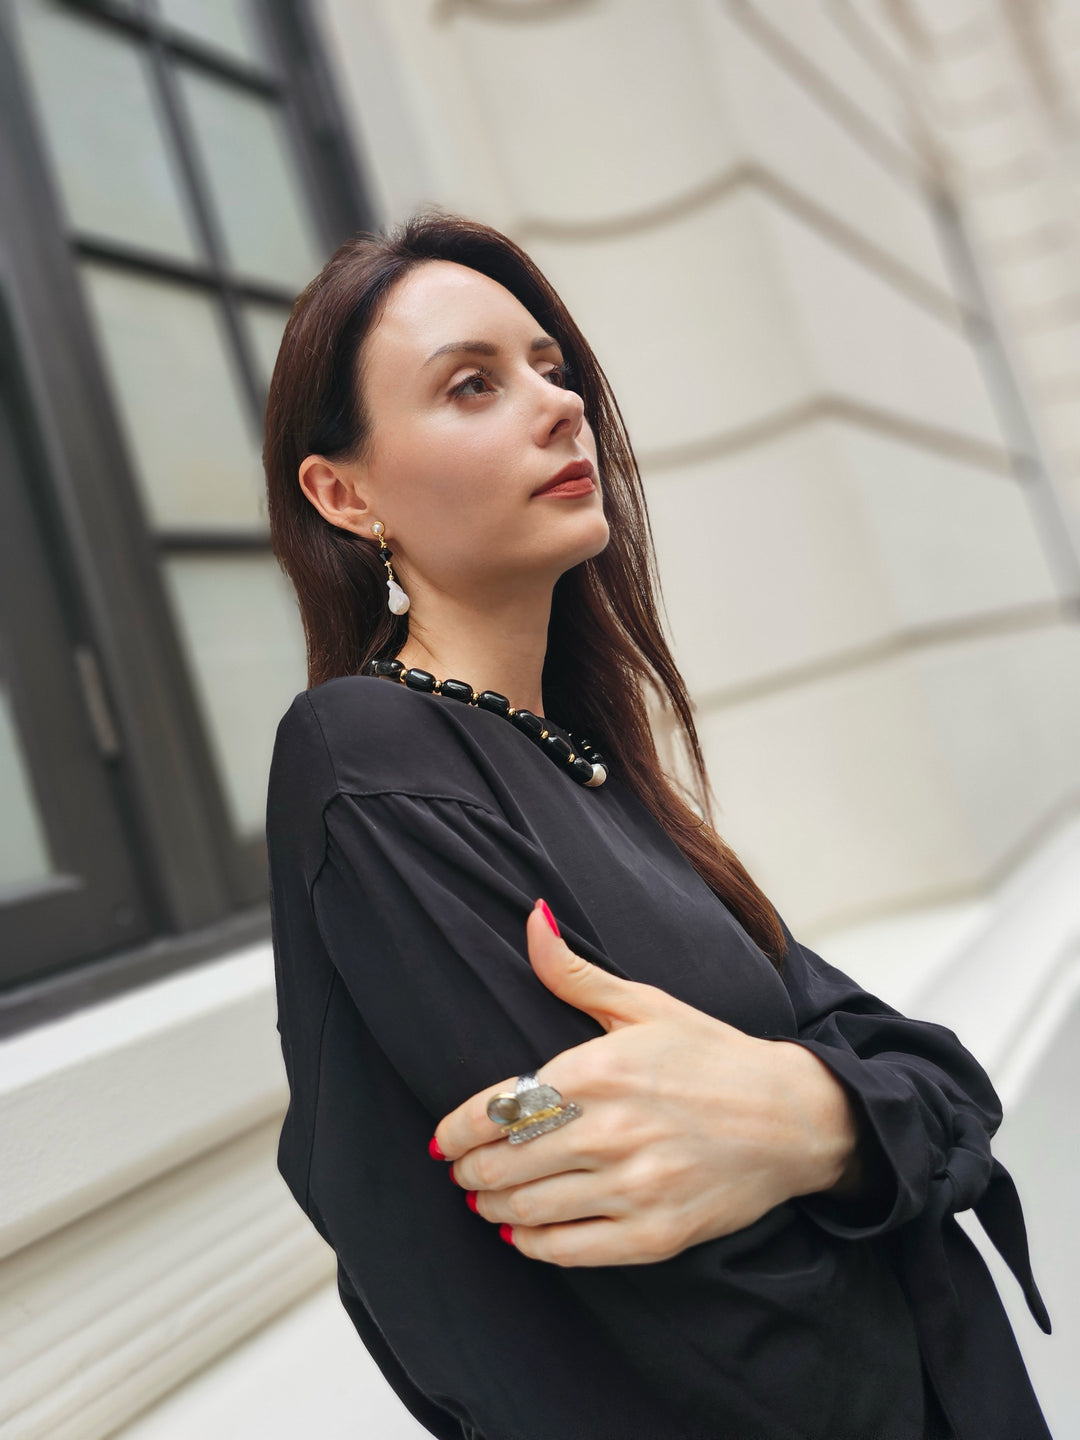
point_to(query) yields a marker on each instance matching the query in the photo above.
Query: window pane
(116, 174)
(195, 455)
(24, 855)
(256, 191)
(265, 324)
(226, 24)
(241, 629)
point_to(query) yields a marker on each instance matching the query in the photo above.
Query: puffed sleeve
(420, 904)
(436, 959)
(929, 1110)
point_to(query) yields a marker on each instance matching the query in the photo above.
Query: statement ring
(533, 1109)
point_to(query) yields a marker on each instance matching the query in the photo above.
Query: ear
(339, 492)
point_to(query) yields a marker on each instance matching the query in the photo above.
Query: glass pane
(24, 854)
(265, 324)
(256, 190)
(116, 173)
(240, 626)
(196, 459)
(226, 24)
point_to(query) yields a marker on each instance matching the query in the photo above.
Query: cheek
(468, 466)
(454, 496)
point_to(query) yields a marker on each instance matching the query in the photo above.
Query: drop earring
(398, 601)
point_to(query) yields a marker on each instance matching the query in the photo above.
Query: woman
(731, 1214)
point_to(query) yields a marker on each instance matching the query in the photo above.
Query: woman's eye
(562, 375)
(477, 375)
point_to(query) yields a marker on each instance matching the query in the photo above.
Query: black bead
(493, 701)
(557, 747)
(420, 680)
(585, 754)
(385, 554)
(525, 720)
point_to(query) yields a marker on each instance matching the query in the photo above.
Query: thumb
(607, 998)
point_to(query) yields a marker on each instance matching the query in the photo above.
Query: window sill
(51, 996)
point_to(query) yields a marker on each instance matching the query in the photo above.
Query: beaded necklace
(582, 760)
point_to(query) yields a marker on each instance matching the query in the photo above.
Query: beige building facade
(859, 579)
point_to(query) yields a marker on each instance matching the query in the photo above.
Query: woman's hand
(691, 1129)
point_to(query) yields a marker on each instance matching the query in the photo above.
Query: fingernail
(506, 1233)
(433, 1149)
(470, 1200)
(453, 1177)
(548, 916)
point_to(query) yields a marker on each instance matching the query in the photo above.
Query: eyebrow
(485, 347)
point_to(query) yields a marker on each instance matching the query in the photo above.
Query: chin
(593, 545)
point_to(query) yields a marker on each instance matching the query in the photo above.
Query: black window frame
(196, 891)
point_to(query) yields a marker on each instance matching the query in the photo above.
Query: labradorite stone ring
(533, 1109)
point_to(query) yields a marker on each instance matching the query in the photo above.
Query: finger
(608, 998)
(599, 1241)
(501, 1166)
(555, 1199)
(469, 1125)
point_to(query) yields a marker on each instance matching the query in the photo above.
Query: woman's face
(469, 416)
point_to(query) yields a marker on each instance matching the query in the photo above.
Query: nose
(560, 411)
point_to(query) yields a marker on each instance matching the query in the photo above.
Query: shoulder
(361, 734)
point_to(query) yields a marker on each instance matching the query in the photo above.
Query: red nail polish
(506, 1233)
(470, 1200)
(548, 916)
(453, 1177)
(433, 1149)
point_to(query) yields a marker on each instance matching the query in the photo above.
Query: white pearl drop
(398, 601)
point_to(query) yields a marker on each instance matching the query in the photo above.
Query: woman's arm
(422, 902)
(692, 1129)
(867, 1180)
(928, 1111)
(861, 1120)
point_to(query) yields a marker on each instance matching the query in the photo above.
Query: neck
(490, 645)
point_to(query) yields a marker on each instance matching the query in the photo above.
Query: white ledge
(98, 1102)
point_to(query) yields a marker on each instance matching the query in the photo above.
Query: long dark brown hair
(605, 644)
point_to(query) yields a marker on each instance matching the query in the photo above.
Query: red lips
(576, 470)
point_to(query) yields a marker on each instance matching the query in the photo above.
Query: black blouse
(409, 835)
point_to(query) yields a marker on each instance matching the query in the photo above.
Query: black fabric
(409, 835)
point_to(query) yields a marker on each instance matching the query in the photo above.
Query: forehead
(440, 300)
